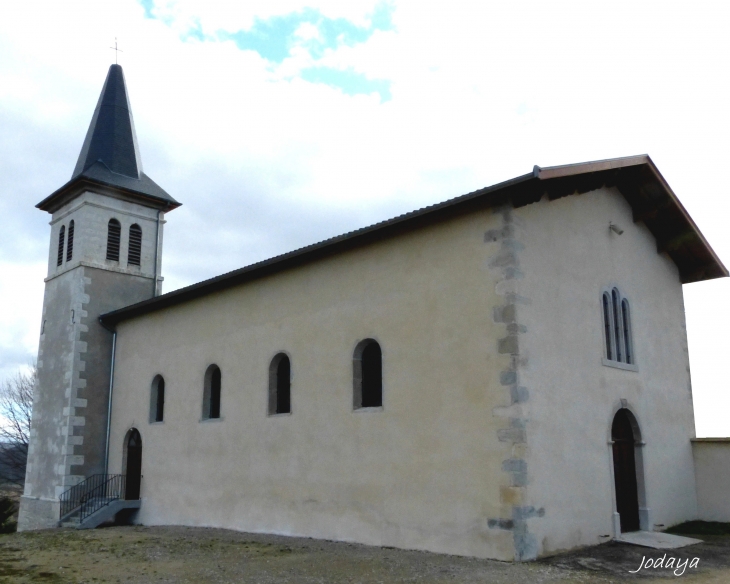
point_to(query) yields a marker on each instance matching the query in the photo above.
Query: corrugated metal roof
(636, 177)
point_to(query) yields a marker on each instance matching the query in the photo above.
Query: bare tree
(16, 404)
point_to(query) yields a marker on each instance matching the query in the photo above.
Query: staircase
(95, 500)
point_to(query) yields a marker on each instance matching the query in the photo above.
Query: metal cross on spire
(118, 50)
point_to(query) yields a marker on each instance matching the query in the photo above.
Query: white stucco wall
(569, 256)
(494, 436)
(424, 473)
(712, 473)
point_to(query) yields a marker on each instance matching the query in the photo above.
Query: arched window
(70, 244)
(367, 375)
(280, 385)
(607, 325)
(61, 241)
(114, 235)
(617, 329)
(212, 393)
(135, 245)
(618, 337)
(628, 349)
(157, 399)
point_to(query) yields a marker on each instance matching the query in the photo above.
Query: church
(502, 375)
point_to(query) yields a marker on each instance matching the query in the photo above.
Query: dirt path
(195, 555)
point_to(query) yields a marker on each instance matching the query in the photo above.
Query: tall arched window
(157, 399)
(628, 349)
(607, 325)
(70, 244)
(61, 241)
(114, 236)
(212, 393)
(135, 245)
(367, 375)
(280, 385)
(618, 337)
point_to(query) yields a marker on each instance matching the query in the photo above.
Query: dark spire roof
(111, 138)
(110, 154)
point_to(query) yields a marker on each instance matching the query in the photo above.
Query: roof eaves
(80, 180)
(589, 167)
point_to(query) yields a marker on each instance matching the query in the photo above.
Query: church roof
(637, 178)
(110, 154)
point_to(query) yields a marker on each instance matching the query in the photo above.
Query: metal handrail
(92, 494)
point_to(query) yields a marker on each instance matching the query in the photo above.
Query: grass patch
(700, 528)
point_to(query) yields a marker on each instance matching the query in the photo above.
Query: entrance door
(624, 471)
(134, 465)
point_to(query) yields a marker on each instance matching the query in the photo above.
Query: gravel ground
(195, 555)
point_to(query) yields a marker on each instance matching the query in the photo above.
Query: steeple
(110, 154)
(111, 138)
(105, 253)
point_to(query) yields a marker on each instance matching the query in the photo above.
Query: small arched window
(113, 238)
(61, 241)
(618, 337)
(280, 385)
(135, 245)
(157, 399)
(70, 244)
(212, 393)
(367, 364)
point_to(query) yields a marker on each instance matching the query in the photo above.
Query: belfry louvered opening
(70, 243)
(135, 245)
(61, 240)
(113, 238)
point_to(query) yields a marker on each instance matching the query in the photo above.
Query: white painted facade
(712, 475)
(494, 435)
(569, 257)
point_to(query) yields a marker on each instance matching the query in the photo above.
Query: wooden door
(624, 471)
(134, 465)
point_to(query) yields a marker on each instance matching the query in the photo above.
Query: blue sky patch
(273, 38)
(349, 81)
(148, 5)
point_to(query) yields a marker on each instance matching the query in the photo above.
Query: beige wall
(569, 256)
(494, 436)
(712, 473)
(424, 473)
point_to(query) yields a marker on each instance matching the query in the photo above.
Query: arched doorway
(133, 465)
(624, 470)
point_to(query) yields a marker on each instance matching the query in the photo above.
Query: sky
(279, 123)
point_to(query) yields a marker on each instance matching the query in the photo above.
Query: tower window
(135, 245)
(114, 235)
(212, 393)
(61, 240)
(617, 330)
(280, 385)
(367, 375)
(157, 399)
(70, 244)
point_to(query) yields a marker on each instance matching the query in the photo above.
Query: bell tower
(105, 253)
